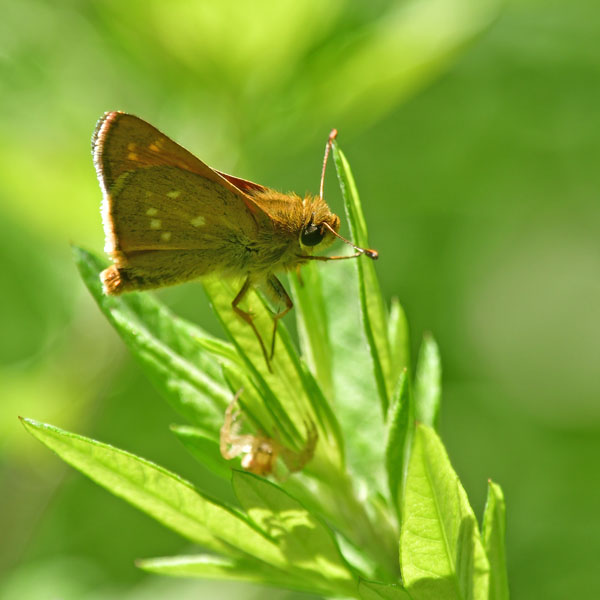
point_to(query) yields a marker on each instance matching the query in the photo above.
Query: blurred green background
(473, 130)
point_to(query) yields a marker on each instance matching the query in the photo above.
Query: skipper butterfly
(169, 218)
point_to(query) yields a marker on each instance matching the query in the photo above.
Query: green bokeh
(477, 164)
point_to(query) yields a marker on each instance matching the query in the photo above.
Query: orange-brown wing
(157, 195)
(166, 208)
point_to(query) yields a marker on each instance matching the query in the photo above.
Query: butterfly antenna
(370, 253)
(332, 137)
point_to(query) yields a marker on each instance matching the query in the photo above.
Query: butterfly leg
(276, 292)
(247, 317)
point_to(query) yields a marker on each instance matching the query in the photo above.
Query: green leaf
(308, 545)
(494, 527)
(401, 422)
(167, 347)
(354, 387)
(163, 495)
(313, 331)
(219, 348)
(288, 391)
(369, 590)
(399, 340)
(216, 567)
(214, 472)
(428, 384)
(204, 449)
(441, 553)
(374, 317)
(354, 392)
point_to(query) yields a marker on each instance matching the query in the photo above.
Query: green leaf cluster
(377, 513)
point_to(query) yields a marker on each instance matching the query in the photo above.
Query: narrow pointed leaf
(163, 495)
(167, 347)
(399, 436)
(374, 315)
(204, 449)
(311, 318)
(308, 544)
(214, 472)
(399, 340)
(428, 384)
(494, 527)
(216, 567)
(219, 348)
(441, 553)
(370, 590)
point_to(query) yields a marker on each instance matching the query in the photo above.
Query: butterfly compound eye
(311, 235)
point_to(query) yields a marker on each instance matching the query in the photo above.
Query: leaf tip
(27, 422)
(79, 254)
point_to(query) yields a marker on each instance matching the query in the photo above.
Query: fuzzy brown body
(169, 218)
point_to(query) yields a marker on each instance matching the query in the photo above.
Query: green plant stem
(339, 505)
(379, 543)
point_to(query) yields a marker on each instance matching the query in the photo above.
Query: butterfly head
(318, 232)
(321, 227)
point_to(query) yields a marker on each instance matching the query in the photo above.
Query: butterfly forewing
(166, 208)
(123, 143)
(168, 217)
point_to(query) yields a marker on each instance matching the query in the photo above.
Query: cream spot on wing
(154, 223)
(119, 184)
(198, 221)
(174, 194)
(132, 156)
(131, 146)
(165, 236)
(154, 148)
(152, 211)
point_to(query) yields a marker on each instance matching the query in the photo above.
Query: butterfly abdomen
(150, 269)
(113, 283)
